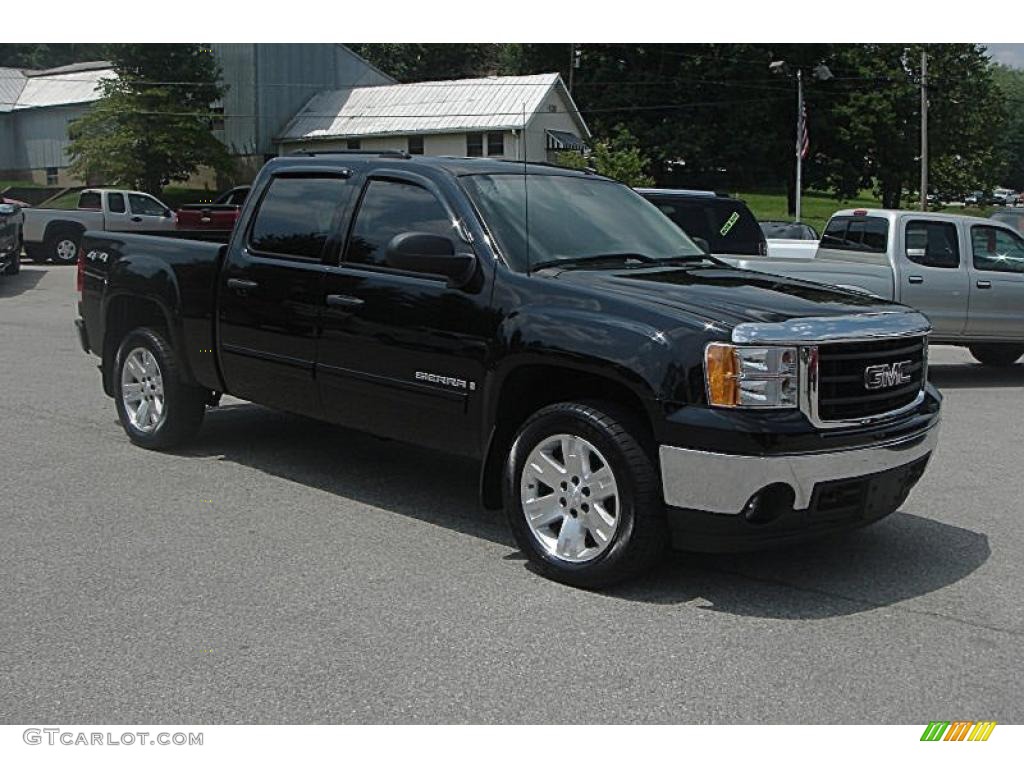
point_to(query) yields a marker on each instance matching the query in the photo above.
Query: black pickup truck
(621, 388)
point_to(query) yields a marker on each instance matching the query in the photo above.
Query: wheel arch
(525, 388)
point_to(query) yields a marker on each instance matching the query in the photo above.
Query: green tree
(617, 157)
(48, 55)
(152, 124)
(1011, 145)
(875, 136)
(417, 62)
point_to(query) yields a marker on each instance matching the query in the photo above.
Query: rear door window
(932, 244)
(115, 202)
(726, 225)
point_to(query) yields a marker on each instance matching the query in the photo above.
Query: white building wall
(435, 144)
(545, 120)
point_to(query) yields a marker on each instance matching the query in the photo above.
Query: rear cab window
(296, 216)
(726, 224)
(861, 234)
(90, 201)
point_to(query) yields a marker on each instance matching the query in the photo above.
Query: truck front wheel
(998, 355)
(157, 409)
(582, 495)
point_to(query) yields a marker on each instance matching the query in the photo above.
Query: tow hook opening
(769, 503)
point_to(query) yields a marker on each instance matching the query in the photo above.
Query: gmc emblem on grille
(886, 375)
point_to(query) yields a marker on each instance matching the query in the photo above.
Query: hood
(724, 295)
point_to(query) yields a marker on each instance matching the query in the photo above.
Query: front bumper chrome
(724, 483)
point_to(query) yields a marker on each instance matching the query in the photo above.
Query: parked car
(790, 239)
(979, 198)
(221, 214)
(12, 220)
(788, 230)
(55, 233)
(1004, 196)
(619, 386)
(723, 224)
(965, 273)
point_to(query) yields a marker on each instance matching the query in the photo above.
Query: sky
(1011, 54)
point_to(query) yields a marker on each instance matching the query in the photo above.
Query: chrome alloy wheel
(570, 498)
(142, 390)
(67, 250)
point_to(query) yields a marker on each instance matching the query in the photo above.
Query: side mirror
(430, 254)
(701, 243)
(6, 209)
(167, 213)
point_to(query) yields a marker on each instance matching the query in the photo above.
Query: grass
(817, 207)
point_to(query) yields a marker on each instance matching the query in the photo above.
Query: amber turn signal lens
(722, 374)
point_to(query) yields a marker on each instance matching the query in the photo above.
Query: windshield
(572, 218)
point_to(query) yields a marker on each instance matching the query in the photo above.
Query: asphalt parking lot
(286, 571)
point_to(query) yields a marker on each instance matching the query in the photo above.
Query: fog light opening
(769, 503)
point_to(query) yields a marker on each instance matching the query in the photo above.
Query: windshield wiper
(595, 258)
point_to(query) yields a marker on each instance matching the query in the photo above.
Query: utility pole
(800, 128)
(924, 131)
(572, 64)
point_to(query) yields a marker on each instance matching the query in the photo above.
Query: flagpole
(799, 137)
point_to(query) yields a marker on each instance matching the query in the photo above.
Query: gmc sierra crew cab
(621, 388)
(965, 274)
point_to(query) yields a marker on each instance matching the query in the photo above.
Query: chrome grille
(842, 392)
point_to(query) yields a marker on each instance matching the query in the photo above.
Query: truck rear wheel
(582, 495)
(62, 245)
(156, 408)
(998, 355)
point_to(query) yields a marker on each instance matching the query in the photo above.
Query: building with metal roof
(266, 85)
(520, 117)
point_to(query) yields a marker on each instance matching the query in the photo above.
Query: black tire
(184, 404)
(15, 266)
(997, 355)
(640, 537)
(55, 246)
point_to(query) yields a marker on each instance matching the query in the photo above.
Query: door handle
(137, 219)
(340, 300)
(915, 279)
(240, 285)
(984, 284)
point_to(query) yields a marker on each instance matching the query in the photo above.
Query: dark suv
(722, 223)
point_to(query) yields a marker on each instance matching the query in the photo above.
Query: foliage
(1011, 84)
(152, 124)
(617, 157)
(412, 62)
(48, 55)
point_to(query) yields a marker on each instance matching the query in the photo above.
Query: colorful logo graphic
(958, 730)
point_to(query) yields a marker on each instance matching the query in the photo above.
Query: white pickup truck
(54, 233)
(965, 273)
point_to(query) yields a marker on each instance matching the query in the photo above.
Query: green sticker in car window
(729, 224)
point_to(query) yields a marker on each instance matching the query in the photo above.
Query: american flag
(803, 141)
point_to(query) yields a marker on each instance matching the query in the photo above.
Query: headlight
(751, 377)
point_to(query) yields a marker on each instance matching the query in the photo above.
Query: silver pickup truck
(966, 274)
(54, 233)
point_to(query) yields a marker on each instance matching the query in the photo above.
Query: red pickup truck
(222, 213)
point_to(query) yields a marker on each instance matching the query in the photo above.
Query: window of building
(390, 208)
(115, 202)
(474, 144)
(932, 244)
(415, 145)
(997, 250)
(496, 144)
(353, 144)
(296, 215)
(51, 177)
(217, 118)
